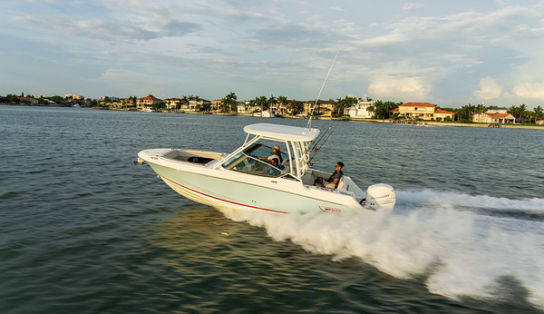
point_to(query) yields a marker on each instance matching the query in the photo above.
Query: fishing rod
(322, 138)
(321, 90)
(321, 135)
(314, 150)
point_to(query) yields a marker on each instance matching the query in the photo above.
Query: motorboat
(264, 114)
(244, 180)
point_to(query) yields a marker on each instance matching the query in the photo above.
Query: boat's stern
(380, 196)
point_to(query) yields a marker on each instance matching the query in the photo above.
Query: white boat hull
(225, 188)
(250, 178)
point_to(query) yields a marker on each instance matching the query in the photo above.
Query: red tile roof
(149, 98)
(417, 104)
(438, 110)
(497, 115)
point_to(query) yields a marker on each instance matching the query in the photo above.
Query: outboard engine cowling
(380, 196)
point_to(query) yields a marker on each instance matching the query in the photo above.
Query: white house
(172, 103)
(494, 116)
(360, 110)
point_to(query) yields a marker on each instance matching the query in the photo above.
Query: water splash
(464, 246)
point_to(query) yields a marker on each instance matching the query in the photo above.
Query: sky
(449, 53)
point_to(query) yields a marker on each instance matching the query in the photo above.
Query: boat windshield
(260, 150)
(249, 164)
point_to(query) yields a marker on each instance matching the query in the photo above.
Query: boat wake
(462, 246)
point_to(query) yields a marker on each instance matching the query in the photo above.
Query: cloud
(445, 49)
(178, 28)
(489, 89)
(411, 88)
(411, 7)
(530, 90)
(114, 31)
(296, 36)
(128, 23)
(337, 9)
(463, 31)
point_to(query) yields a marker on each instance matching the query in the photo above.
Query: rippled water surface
(83, 230)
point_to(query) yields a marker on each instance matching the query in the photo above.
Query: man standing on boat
(332, 181)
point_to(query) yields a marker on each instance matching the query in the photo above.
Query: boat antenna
(321, 90)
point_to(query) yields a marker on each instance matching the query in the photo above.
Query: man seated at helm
(273, 169)
(275, 154)
(332, 181)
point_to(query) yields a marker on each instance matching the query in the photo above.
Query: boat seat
(287, 166)
(340, 183)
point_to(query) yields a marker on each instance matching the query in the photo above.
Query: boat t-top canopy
(282, 132)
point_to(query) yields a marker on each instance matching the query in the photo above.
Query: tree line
(521, 113)
(379, 110)
(16, 99)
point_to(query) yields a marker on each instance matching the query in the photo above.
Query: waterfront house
(129, 102)
(322, 107)
(423, 111)
(498, 110)
(110, 101)
(74, 96)
(540, 122)
(216, 105)
(279, 108)
(242, 108)
(49, 102)
(147, 102)
(440, 114)
(28, 101)
(173, 103)
(361, 110)
(198, 104)
(492, 116)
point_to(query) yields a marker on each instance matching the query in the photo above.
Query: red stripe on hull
(222, 200)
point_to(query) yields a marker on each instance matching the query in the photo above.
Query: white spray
(442, 236)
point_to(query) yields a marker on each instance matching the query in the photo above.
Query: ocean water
(84, 230)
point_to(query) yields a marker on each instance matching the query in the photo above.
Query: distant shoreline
(417, 123)
(473, 125)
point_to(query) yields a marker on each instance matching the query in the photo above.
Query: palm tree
(261, 102)
(370, 109)
(538, 112)
(271, 101)
(296, 107)
(523, 110)
(465, 112)
(283, 103)
(346, 102)
(252, 103)
(518, 111)
(382, 110)
(229, 102)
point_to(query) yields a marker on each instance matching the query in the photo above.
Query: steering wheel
(248, 166)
